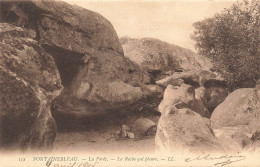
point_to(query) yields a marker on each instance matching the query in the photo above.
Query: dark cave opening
(67, 62)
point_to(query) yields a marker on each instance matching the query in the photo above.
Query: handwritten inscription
(223, 159)
(75, 164)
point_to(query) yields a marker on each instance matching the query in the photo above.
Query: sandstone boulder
(182, 97)
(143, 127)
(234, 138)
(161, 58)
(29, 81)
(196, 105)
(185, 130)
(174, 94)
(60, 24)
(209, 87)
(239, 108)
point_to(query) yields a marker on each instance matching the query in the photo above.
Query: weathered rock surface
(88, 54)
(29, 81)
(196, 78)
(182, 116)
(185, 130)
(234, 138)
(254, 124)
(155, 90)
(161, 58)
(60, 24)
(178, 130)
(209, 87)
(174, 94)
(143, 126)
(182, 97)
(108, 78)
(240, 108)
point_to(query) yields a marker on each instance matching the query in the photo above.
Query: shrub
(231, 40)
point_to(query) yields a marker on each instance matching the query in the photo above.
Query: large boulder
(239, 108)
(60, 24)
(184, 130)
(182, 97)
(87, 52)
(161, 58)
(210, 87)
(143, 127)
(29, 81)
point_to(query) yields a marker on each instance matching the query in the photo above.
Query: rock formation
(29, 81)
(233, 126)
(211, 89)
(184, 130)
(160, 58)
(240, 108)
(88, 54)
(47, 45)
(182, 97)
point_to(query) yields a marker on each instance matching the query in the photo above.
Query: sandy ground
(96, 142)
(100, 137)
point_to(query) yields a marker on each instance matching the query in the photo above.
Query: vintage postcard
(91, 83)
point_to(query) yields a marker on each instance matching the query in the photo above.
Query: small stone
(125, 127)
(131, 135)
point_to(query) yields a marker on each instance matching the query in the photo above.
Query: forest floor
(100, 136)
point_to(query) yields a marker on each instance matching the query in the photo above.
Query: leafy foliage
(231, 39)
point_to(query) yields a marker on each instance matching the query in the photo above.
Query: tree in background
(231, 39)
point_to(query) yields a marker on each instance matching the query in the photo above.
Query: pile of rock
(233, 126)
(210, 88)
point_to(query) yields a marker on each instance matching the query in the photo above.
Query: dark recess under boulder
(67, 62)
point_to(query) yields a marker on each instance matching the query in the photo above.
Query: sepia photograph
(129, 83)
